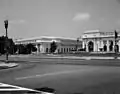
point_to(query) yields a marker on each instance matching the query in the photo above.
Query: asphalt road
(66, 78)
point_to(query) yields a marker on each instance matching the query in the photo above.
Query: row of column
(97, 44)
(40, 48)
(44, 48)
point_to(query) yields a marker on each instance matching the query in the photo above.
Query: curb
(76, 57)
(82, 58)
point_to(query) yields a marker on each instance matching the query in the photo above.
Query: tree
(21, 49)
(2, 45)
(26, 49)
(53, 47)
(30, 48)
(14, 49)
(9, 44)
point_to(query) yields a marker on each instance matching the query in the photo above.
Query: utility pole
(6, 39)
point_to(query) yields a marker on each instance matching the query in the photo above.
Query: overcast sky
(66, 18)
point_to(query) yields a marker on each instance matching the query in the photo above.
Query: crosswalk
(11, 88)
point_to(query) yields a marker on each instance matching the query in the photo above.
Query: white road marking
(7, 87)
(47, 74)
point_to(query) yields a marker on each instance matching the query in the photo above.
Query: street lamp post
(6, 41)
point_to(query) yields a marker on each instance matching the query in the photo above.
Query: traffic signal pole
(116, 36)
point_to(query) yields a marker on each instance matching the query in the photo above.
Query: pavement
(79, 57)
(84, 57)
(59, 59)
(66, 57)
(64, 74)
(66, 79)
(6, 89)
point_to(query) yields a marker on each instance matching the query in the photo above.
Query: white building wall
(119, 45)
(43, 44)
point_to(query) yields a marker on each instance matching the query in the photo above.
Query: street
(65, 77)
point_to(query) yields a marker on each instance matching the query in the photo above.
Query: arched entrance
(47, 50)
(90, 46)
(105, 48)
(111, 46)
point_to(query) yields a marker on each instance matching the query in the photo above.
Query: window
(67, 50)
(64, 50)
(104, 42)
(61, 50)
(47, 50)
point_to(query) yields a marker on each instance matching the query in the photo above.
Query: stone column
(42, 48)
(95, 45)
(87, 47)
(108, 46)
(113, 45)
(83, 44)
(38, 48)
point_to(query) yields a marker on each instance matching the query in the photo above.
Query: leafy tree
(11, 46)
(26, 49)
(30, 48)
(2, 45)
(53, 47)
(21, 49)
(34, 49)
(14, 49)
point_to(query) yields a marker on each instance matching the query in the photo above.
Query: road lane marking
(7, 87)
(47, 74)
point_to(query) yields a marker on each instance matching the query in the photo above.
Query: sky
(60, 18)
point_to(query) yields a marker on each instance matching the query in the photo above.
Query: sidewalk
(82, 57)
(4, 65)
(66, 57)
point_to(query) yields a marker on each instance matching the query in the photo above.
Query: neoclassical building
(42, 43)
(97, 41)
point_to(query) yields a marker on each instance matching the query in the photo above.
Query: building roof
(45, 37)
(92, 31)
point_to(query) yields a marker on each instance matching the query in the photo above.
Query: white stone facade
(64, 45)
(97, 41)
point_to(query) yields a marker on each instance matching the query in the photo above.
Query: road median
(4, 65)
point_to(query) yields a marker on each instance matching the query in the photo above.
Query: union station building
(89, 41)
(98, 41)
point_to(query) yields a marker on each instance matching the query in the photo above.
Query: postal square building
(42, 43)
